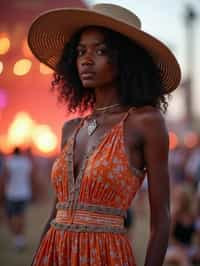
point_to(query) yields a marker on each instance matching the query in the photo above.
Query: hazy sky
(165, 20)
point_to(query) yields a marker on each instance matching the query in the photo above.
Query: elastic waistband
(65, 205)
(88, 221)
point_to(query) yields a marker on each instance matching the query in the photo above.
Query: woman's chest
(86, 145)
(108, 144)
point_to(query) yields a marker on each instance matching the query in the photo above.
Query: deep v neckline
(74, 185)
(91, 151)
(75, 181)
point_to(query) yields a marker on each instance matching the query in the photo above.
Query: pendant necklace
(92, 124)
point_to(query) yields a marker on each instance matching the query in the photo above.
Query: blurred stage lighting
(5, 146)
(191, 139)
(4, 45)
(1, 67)
(20, 130)
(25, 132)
(44, 139)
(173, 140)
(22, 67)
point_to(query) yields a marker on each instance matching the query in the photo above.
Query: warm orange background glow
(1, 67)
(4, 45)
(28, 92)
(44, 139)
(45, 69)
(173, 140)
(20, 130)
(190, 139)
(25, 49)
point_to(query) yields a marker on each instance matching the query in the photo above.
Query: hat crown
(118, 13)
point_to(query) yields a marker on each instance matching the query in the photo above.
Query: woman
(103, 62)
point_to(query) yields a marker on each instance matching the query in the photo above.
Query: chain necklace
(92, 124)
(107, 107)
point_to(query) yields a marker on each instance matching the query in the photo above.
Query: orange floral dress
(88, 229)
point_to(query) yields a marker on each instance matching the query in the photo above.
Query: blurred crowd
(184, 169)
(33, 186)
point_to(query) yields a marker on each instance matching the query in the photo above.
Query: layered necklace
(92, 123)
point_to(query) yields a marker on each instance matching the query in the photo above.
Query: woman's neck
(106, 97)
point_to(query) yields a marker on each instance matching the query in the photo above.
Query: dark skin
(145, 136)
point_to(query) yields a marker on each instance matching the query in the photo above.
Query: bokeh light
(45, 69)
(4, 45)
(5, 146)
(173, 140)
(25, 132)
(44, 139)
(190, 139)
(1, 67)
(22, 67)
(20, 130)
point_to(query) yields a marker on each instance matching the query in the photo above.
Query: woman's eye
(101, 51)
(80, 52)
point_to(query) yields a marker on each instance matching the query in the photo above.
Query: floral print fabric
(103, 191)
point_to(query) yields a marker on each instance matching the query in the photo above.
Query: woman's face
(93, 61)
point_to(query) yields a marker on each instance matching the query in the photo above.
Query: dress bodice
(106, 177)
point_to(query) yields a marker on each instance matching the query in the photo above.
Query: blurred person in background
(196, 250)
(178, 158)
(38, 182)
(2, 172)
(192, 167)
(2, 163)
(182, 248)
(103, 62)
(17, 193)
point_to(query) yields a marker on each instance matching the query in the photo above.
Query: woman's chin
(88, 84)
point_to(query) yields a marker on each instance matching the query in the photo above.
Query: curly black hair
(139, 81)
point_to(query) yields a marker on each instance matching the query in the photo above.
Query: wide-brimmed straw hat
(50, 32)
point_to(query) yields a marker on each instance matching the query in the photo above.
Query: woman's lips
(87, 75)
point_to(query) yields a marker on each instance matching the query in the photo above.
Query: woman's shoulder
(70, 124)
(145, 114)
(148, 119)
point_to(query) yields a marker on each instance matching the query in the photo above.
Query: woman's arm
(156, 160)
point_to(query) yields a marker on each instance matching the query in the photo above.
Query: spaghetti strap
(127, 113)
(78, 126)
(75, 131)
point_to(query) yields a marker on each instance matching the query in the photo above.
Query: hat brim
(50, 32)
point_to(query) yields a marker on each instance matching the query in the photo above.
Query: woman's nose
(87, 59)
